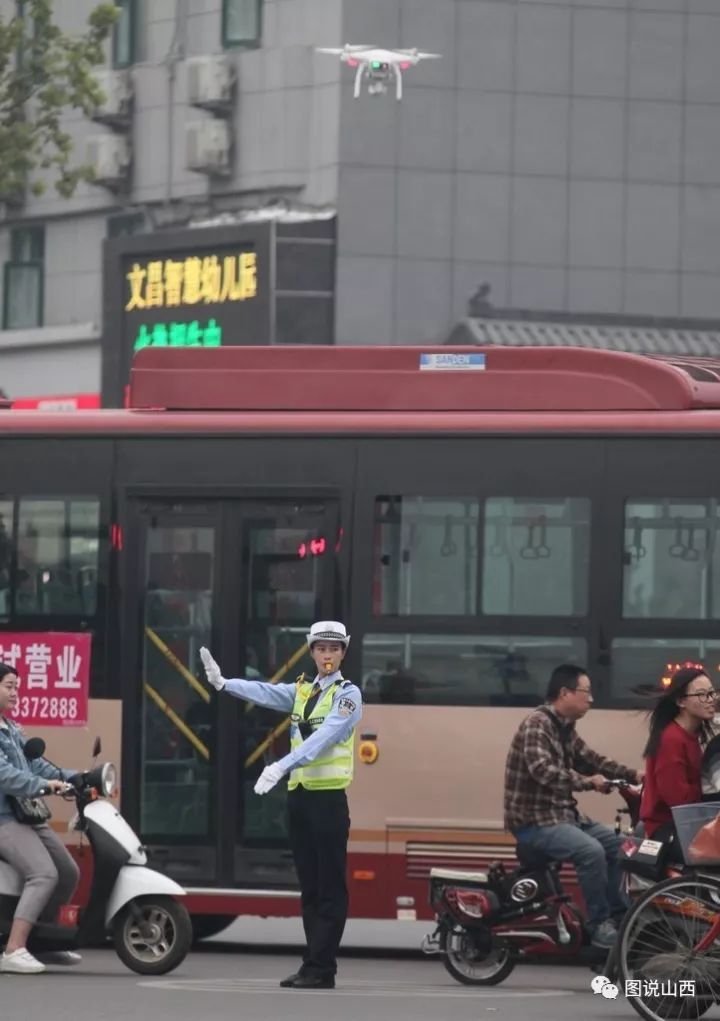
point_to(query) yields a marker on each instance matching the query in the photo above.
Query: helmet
(328, 631)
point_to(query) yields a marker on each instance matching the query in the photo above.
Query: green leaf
(44, 72)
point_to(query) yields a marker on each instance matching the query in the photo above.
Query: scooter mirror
(97, 747)
(34, 748)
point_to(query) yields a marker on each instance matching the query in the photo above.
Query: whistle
(327, 666)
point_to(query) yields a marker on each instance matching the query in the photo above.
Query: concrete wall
(565, 151)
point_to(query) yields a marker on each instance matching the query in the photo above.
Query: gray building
(567, 152)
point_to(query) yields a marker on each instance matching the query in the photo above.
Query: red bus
(476, 516)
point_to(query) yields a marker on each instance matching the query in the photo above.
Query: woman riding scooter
(34, 850)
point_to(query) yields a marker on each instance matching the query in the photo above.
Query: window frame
(8, 269)
(240, 44)
(117, 62)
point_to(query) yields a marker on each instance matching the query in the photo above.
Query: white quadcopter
(377, 66)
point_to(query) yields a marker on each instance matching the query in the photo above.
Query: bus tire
(460, 960)
(205, 926)
(152, 935)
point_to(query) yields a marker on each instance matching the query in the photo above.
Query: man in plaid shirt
(546, 763)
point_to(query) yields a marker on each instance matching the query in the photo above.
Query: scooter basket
(698, 830)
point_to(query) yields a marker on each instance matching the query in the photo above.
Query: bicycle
(667, 955)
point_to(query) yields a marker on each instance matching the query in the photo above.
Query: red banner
(70, 402)
(54, 672)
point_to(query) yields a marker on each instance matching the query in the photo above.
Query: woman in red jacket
(673, 753)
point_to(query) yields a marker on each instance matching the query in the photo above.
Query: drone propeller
(338, 50)
(427, 56)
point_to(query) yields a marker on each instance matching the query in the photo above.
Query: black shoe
(308, 982)
(291, 979)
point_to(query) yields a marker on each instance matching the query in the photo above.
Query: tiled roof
(637, 339)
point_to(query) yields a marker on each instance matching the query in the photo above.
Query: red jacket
(672, 776)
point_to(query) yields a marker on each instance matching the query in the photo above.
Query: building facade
(565, 152)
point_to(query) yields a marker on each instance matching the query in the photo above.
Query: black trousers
(318, 825)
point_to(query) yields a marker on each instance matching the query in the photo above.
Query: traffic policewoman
(324, 715)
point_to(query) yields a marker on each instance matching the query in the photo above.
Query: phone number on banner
(42, 707)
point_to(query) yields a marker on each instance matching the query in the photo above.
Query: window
(425, 555)
(24, 279)
(449, 670)
(57, 556)
(180, 569)
(536, 556)
(241, 22)
(125, 224)
(671, 563)
(640, 664)
(124, 34)
(7, 529)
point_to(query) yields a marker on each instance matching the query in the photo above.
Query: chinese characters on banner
(191, 334)
(54, 672)
(171, 283)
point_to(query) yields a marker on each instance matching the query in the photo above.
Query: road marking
(361, 988)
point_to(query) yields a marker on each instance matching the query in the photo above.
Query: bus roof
(402, 379)
(373, 391)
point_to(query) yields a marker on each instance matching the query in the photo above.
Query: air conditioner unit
(110, 158)
(116, 107)
(207, 147)
(210, 82)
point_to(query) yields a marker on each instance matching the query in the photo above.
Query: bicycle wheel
(663, 971)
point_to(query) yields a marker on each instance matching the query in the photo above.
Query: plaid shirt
(541, 775)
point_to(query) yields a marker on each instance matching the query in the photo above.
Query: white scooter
(151, 931)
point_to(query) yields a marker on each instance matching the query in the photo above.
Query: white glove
(268, 778)
(212, 670)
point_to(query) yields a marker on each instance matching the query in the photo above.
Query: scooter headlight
(102, 780)
(108, 780)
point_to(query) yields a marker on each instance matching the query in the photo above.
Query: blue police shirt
(335, 728)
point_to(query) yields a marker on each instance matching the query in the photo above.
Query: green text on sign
(179, 335)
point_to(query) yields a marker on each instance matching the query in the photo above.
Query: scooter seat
(459, 876)
(10, 883)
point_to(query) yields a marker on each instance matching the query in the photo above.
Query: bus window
(177, 745)
(406, 669)
(57, 556)
(536, 556)
(6, 545)
(639, 665)
(670, 562)
(425, 555)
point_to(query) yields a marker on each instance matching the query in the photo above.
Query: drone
(378, 66)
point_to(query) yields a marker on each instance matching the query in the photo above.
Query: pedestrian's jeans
(593, 849)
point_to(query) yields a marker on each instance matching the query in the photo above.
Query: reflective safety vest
(333, 769)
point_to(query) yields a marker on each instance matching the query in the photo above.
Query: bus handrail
(174, 718)
(180, 667)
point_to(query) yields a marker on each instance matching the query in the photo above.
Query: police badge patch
(346, 707)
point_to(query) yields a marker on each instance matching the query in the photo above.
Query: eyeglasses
(584, 691)
(704, 696)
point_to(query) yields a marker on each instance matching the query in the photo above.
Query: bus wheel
(205, 926)
(152, 935)
(470, 961)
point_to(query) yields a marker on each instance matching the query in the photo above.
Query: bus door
(287, 579)
(245, 578)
